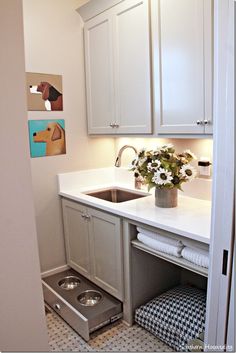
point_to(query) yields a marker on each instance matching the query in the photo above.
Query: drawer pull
(57, 306)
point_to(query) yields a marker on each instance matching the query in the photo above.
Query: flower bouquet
(165, 170)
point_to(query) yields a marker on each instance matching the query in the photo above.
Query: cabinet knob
(57, 307)
(85, 216)
(114, 125)
(199, 122)
(206, 121)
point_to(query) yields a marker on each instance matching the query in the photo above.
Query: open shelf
(179, 261)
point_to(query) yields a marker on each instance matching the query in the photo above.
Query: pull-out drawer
(73, 317)
(69, 303)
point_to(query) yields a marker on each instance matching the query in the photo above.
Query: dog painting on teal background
(47, 137)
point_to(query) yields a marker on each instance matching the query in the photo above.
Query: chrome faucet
(118, 159)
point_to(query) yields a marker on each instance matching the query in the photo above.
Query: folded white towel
(160, 246)
(199, 257)
(195, 245)
(159, 237)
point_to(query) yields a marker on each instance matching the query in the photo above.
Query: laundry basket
(175, 316)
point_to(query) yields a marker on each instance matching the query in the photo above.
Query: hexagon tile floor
(117, 338)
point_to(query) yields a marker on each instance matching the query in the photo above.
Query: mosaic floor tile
(113, 338)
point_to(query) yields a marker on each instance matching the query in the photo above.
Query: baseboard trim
(54, 270)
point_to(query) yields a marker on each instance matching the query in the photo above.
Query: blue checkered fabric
(175, 316)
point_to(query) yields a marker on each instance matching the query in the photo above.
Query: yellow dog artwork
(54, 137)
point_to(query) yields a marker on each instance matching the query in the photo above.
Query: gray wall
(54, 44)
(22, 320)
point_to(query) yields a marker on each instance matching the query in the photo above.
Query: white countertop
(190, 219)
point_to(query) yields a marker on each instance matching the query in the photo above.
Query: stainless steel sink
(116, 195)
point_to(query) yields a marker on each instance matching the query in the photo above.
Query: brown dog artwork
(51, 96)
(44, 92)
(49, 141)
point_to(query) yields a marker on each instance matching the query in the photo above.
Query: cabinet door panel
(106, 252)
(99, 74)
(182, 66)
(132, 67)
(76, 237)
(208, 51)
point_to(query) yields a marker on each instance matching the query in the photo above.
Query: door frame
(222, 235)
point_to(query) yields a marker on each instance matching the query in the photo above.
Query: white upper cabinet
(145, 56)
(182, 63)
(118, 74)
(99, 74)
(132, 67)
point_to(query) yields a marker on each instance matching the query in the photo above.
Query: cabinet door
(208, 62)
(106, 252)
(99, 74)
(76, 237)
(132, 67)
(183, 80)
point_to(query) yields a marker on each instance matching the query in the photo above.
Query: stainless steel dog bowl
(69, 282)
(89, 298)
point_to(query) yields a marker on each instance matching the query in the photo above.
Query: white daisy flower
(157, 162)
(162, 177)
(152, 166)
(190, 153)
(188, 172)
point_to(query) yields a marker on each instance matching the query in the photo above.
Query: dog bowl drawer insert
(74, 318)
(86, 307)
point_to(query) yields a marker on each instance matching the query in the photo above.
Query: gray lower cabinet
(76, 237)
(94, 245)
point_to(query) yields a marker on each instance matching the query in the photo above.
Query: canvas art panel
(44, 92)
(47, 137)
